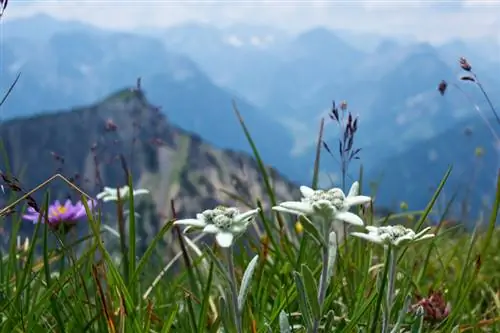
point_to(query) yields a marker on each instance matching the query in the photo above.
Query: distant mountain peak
(424, 48)
(387, 45)
(320, 41)
(318, 35)
(125, 94)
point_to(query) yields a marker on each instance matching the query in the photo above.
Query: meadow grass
(70, 290)
(57, 282)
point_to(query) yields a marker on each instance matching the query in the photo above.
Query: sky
(427, 20)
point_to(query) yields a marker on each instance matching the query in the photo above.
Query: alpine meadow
(172, 206)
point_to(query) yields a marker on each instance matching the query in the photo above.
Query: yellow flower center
(59, 210)
(298, 227)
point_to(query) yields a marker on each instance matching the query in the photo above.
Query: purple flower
(66, 215)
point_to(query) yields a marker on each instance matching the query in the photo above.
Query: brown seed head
(465, 64)
(343, 106)
(442, 87)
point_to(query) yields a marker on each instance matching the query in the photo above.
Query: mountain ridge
(88, 144)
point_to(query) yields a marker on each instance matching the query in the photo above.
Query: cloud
(431, 20)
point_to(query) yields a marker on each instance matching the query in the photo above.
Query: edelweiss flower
(226, 223)
(331, 204)
(393, 235)
(110, 194)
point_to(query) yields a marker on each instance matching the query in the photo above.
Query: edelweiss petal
(357, 200)
(211, 229)
(224, 239)
(140, 191)
(354, 191)
(297, 207)
(349, 218)
(238, 229)
(306, 191)
(190, 222)
(244, 217)
(421, 233)
(110, 198)
(368, 237)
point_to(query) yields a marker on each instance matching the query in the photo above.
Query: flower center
(394, 232)
(334, 196)
(222, 217)
(59, 210)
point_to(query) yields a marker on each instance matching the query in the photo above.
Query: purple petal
(68, 204)
(31, 217)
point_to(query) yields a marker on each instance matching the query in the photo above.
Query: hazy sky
(432, 20)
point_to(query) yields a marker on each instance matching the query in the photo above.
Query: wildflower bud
(465, 64)
(434, 308)
(355, 125)
(298, 227)
(442, 87)
(335, 112)
(467, 78)
(343, 106)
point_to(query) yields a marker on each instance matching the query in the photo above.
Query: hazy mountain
(412, 176)
(75, 68)
(171, 163)
(40, 27)
(283, 84)
(240, 57)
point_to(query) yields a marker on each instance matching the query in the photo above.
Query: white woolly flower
(332, 204)
(226, 223)
(110, 194)
(393, 235)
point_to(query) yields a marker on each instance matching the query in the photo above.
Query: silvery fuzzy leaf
(305, 307)
(332, 255)
(311, 290)
(246, 281)
(402, 315)
(284, 324)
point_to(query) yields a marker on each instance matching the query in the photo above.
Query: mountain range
(283, 84)
(88, 146)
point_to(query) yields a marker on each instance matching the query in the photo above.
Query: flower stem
(392, 262)
(323, 283)
(234, 291)
(488, 100)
